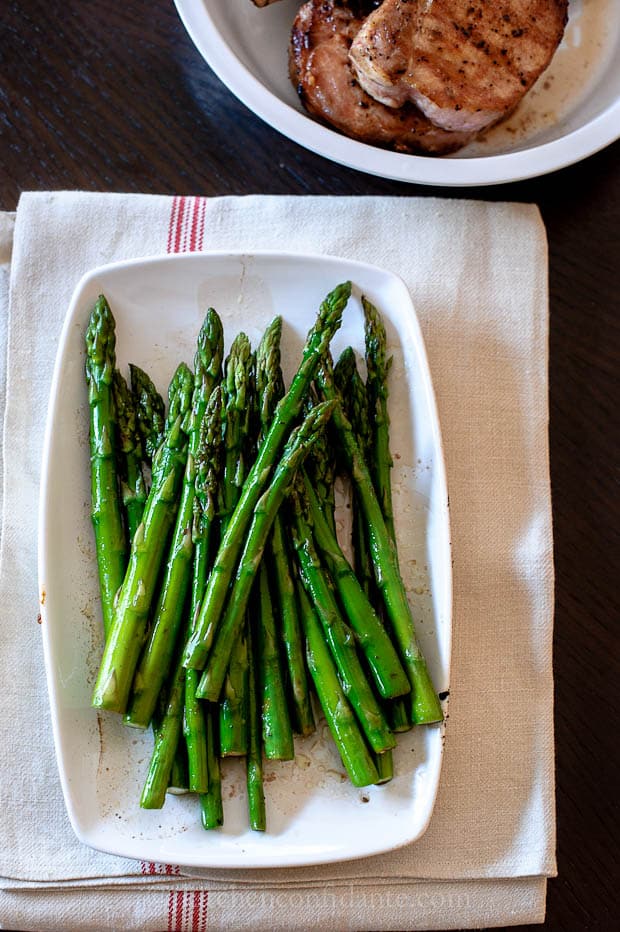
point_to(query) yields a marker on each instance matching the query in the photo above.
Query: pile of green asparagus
(227, 598)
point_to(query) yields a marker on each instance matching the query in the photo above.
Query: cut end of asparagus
(106, 695)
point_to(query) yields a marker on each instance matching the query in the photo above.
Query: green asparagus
(132, 482)
(337, 633)
(150, 412)
(389, 676)
(296, 449)
(128, 629)
(378, 367)
(270, 389)
(254, 764)
(338, 713)
(239, 402)
(424, 703)
(167, 736)
(106, 508)
(207, 463)
(211, 808)
(277, 731)
(288, 409)
(355, 399)
(158, 651)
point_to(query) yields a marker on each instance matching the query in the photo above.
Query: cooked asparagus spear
(276, 722)
(389, 676)
(211, 808)
(337, 633)
(133, 485)
(296, 449)
(207, 463)
(270, 389)
(355, 399)
(167, 736)
(424, 703)
(354, 395)
(239, 401)
(321, 467)
(127, 632)
(254, 763)
(338, 713)
(288, 409)
(150, 412)
(158, 651)
(378, 368)
(106, 508)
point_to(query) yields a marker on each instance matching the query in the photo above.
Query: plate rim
(482, 171)
(233, 860)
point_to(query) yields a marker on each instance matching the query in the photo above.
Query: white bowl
(314, 815)
(572, 112)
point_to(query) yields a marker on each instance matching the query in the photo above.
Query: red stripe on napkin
(187, 910)
(186, 225)
(179, 226)
(199, 914)
(201, 230)
(172, 224)
(150, 867)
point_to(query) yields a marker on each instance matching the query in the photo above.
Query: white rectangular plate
(314, 814)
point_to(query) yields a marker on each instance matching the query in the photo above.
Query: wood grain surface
(114, 97)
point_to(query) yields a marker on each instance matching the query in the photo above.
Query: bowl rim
(596, 134)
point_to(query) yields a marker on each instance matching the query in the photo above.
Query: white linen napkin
(477, 273)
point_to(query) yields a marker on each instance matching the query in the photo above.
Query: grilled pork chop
(465, 63)
(319, 67)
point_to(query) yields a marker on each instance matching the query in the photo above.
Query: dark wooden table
(114, 97)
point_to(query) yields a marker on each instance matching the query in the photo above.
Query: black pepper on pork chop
(320, 69)
(465, 63)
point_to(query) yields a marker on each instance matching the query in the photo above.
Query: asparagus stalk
(237, 400)
(132, 484)
(136, 594)
(288, 409)
(389, 676)
(336, 708)
(237, 412)
(211, 808)
(167, 736)
(291, 634)
(159, 649)
(353, 393)
(277, 731)
(337, 633)
(207, 463)
(355, 399)
(150, 412)
(234, 700)
(254, 765)
(200, 719)
(321, 468)
(270, 389)
(106, 509)
(424, 703)
(385, 766)
(296, 449)
(178, 782)
(378, 368)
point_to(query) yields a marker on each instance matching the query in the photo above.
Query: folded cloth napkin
(477, 273)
